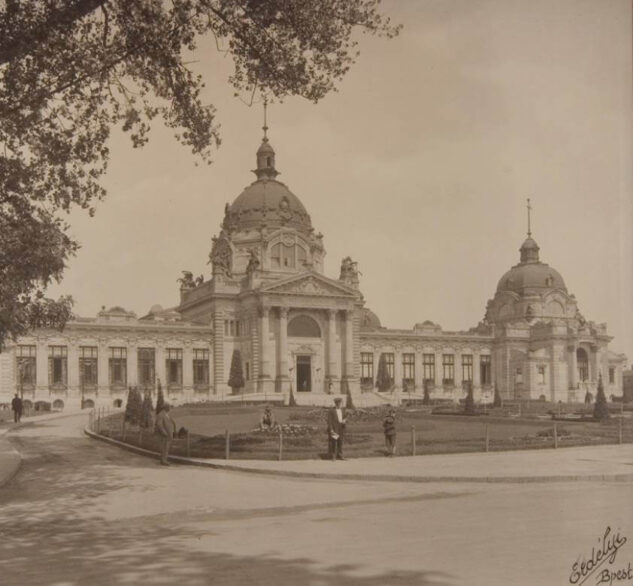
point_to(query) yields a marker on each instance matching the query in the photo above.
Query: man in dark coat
(165, 427)
(16, 405)
(389, 426)
(336, 419)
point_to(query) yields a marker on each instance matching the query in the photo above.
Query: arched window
(287, 257)
(303, 326)
(582, 360)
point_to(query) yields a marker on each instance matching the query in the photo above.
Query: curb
(372, 477)
(11, 461)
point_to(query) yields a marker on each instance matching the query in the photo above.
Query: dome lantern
(265, 155)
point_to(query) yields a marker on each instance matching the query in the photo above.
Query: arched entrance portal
(306, 333)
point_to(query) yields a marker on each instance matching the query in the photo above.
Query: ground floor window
(467, 367)
(173, 366)
(408, 370)
(146, 367)
(117, 366)
(428, 368)
(518, 375)
(58, 367)
(390, 362)
(541, 372)
(611, 375)
(448, 369)
(88, 375)
(26, 367)
(485, 369)
(366, 368)
(201, 368)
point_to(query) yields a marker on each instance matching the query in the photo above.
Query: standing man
(336, 420)
(166, 428)
(16, 405)
(389, 427)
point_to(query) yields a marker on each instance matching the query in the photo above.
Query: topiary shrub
(600, 408)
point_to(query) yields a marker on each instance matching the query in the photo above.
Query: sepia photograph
(322, 292)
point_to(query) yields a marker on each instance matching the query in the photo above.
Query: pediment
(310, 284)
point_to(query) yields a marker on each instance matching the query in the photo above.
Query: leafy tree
(600, 408)
(236, 376)
(497, 400)
(383, 381)
(469, 405)
(71, 70)
(426, 400)
(160, 398)
(147, 411)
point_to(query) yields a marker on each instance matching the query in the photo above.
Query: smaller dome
(532, 275)
(529, 250)
(369, 319)
(265, 147)
(156, 308)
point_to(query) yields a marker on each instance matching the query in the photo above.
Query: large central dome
(267, 202)
(531, 275)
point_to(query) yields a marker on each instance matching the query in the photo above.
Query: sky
(418, 168)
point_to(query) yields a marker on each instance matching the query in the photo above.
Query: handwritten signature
(608, 546)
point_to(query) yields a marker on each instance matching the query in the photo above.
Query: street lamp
(82, 374)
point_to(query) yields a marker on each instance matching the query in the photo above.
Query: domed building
(269, 313)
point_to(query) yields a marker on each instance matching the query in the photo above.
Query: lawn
(304, 432)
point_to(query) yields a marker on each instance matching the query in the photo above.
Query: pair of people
(267, 421)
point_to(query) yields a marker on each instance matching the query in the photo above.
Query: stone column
(41, 365)
(103, 363)
(439, 370)
(419, 372)
(333, 364)
(264, 330)
(476, 370)
(72, 365)
(282, 359)
(187, 367)
(132, 364)
(397, 368)
(349, 344)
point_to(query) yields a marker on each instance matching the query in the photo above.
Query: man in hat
(267, 421)
(166, 428)
(336, 419)
(389, 427)
(16, 406)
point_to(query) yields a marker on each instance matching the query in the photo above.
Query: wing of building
(269, 323)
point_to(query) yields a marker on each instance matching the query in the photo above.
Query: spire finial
(529, 209)
(265, 127)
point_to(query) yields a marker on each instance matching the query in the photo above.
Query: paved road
(81, 512)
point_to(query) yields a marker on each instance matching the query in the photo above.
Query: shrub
(600, 409)
(236, 376)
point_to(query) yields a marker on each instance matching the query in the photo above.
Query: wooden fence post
(620, 430)
(487, 437)
(413, 447)
(123, 430)
(227, 444)
(188, 445)
(281, 443)
(555, 436)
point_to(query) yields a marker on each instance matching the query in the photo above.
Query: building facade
(293, 331)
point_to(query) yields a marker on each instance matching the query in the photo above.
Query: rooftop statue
(221, 256)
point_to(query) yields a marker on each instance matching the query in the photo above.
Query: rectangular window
(26, 367)
(611, 375)
(367, 368)
(408, 370)
(117, 365)
(88, 366)
(390, 361)
(146, 367)
(540, 370)
(428, 367)
(518, 375)
(201, 368)
(448, 369)
(226, 327)
(58, 367)
(467, 367)
(173, 366)
(485, 369)
(232, 328)
(247, 368)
